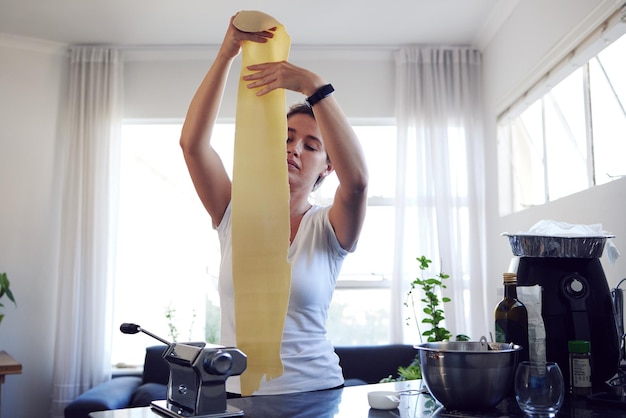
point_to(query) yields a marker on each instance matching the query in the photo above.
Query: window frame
(121, 362)
(520, 188)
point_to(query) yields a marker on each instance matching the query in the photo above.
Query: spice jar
(579, 367)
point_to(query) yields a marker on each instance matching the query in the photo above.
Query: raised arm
(344, 150)
(204, 164)
(346, 155)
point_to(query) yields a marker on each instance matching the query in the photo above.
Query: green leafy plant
(5, 290)
(411, 372)
(170, 315)
(430, 290)
(433, 304)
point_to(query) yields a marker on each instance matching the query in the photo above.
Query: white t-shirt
(309, 359)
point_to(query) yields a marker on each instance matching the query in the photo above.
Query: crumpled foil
(524, 245)
(550, 238)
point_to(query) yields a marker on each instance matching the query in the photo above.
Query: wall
(32, 85)
(513, 61)
(161, 83)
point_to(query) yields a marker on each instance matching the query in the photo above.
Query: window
(571, 138)
(165, 247)
(168, 252)
(360, 310)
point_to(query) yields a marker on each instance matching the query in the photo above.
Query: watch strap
(320, 94)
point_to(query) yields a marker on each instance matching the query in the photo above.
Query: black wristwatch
(320, 94)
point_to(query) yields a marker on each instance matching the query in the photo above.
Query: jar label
(581, 373)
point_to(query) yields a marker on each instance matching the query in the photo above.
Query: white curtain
(440, 182)
(84, 325)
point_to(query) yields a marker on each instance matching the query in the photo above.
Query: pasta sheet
(260, 212)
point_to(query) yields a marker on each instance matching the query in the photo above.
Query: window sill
(127, 371)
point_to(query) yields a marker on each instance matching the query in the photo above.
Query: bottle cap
(509, 277)
(579, 346)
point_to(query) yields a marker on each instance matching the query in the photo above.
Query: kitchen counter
(351, 402)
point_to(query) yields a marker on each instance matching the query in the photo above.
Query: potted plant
(433, 309)
(5, 290)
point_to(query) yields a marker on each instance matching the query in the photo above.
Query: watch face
(326, 90)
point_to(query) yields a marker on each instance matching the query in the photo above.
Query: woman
(319, 141)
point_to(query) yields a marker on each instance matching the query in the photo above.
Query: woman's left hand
(274, 75)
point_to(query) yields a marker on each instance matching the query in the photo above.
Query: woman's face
(306, 156)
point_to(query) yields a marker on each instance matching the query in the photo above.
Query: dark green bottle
(512, 317)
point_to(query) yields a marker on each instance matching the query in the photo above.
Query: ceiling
(203, 22)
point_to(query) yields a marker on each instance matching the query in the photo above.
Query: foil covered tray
(527, 245)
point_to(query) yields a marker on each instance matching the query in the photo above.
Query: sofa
(361, 365)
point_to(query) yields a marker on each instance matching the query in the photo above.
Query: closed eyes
(310, 146)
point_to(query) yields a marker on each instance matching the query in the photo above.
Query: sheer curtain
(83, 330)
(440, 181)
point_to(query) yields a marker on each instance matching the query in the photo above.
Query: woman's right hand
(234, 37)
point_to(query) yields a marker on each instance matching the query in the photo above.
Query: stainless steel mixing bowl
(468, 375)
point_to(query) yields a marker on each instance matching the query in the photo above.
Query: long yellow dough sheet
(260, 210)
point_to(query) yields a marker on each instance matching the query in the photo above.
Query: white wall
(32, 87)
(160, 84)
(535, 37)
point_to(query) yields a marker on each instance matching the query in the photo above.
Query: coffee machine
(576, 300)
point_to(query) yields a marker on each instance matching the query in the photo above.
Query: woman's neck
(299, 207)
(298, 204)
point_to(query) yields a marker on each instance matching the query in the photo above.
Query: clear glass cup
(539, 388)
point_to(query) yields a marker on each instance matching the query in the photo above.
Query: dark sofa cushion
(370, 364)
(112, 394)
(147, 393)
(156, 368)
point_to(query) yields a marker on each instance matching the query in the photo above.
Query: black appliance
(576, 301)
(197, 381)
